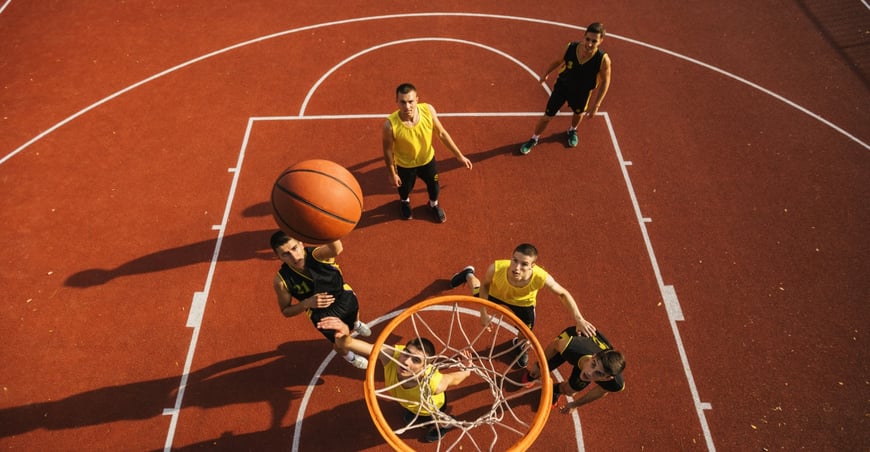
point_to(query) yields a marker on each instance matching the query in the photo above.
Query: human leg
(408, 176)
(429, 174)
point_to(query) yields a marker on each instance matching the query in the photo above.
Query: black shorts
(345, 307)
(526, 314)
(578, 100)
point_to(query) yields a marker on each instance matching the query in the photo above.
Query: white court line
(2, 8)
(667, 292)
(670, 300)
(403, 16)
(200, 299)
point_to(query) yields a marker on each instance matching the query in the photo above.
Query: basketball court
(711, 222)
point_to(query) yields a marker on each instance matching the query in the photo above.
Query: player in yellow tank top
(406, 365)
(408, 153)
(516, 282)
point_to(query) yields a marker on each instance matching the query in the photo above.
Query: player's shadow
(320, 430)
(235, 247)
(257, 378)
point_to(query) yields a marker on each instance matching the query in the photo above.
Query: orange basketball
(316, 201)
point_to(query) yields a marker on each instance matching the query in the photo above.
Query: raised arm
(345, 342)
(328, 251)
(455, 378)
(593, 394)
(583, 327)
(484, 293)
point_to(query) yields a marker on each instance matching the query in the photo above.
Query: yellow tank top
(526, 295)
(410, 397)
(412, 146)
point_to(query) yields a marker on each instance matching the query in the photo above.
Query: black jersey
(582, 346)
(321, 277)
(576, 76)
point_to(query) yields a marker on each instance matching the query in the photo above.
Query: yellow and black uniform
(413, 152)
(520, 300)
(575, 81)
(578, 348)
(320, 277)
(410, 397)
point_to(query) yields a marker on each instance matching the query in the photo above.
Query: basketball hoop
(501, 416)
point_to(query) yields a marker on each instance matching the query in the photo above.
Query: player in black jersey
(594, 361)
(582, 67)
(310, 275)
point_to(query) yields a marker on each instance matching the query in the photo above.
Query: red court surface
(712, 221)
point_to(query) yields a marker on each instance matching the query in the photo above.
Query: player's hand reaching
(584, 328)
(334, 323)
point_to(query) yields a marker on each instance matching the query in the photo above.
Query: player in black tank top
(583, 67)
(311, 277)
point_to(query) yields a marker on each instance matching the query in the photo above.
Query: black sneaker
(439, 213)
(406, 210)
(523, 360)
(556, 395)
(459, 278)
(434, 434)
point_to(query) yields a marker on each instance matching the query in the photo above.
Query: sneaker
(527, 146)
(434, 434)
(523, 360)
(359, 362)
(439, 213)
(459, 278)
(406, 210)
(362, 329)
(556, 395)
(572, 138)
(527, 380)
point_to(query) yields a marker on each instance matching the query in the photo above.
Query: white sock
(535, 137)
(349, 356)
(433, 203)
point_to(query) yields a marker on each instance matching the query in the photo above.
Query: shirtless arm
(446, 139)
(583, 326)
(387, 141)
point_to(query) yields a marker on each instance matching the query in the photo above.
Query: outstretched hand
(584, 328)
(334, 323)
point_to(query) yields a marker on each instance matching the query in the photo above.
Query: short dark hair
(596, 27)
(278, 240)
(405, 88)
(527, 249)
(612, 362)
(423, 344)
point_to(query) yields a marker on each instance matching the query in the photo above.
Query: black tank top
(578, 76)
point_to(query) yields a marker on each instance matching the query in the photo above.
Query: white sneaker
(359, 362)
(362, 329)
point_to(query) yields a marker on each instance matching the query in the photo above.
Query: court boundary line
(667, 292)
(259, 39)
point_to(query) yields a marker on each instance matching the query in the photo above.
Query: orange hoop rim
(370, 391)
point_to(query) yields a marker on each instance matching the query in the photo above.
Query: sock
(407, 200)
(572, 129)
(349, 356)
(535, 137)
(433, 203)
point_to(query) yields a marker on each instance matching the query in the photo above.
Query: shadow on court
(260, 377)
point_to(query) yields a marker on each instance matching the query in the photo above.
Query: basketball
(316, 201)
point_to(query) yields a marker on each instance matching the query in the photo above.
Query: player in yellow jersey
(408, 152)
(515, 283)
(404, 371)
